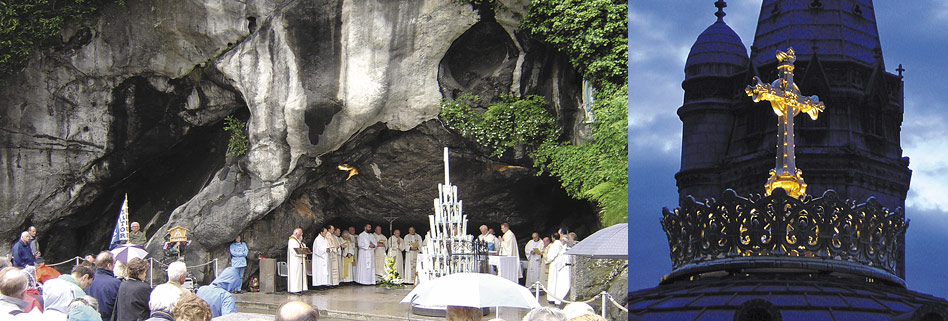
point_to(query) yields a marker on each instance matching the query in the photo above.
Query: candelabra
(448, 248)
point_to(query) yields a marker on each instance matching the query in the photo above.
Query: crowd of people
(92, 292)
(340, 256)
(101, 288)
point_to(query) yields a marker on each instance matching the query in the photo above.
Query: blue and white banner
(120, 233)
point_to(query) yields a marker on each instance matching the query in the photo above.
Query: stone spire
(843, 30)
(853, 148)
(718, 51)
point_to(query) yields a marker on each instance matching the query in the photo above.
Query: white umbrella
(478, 290)
(128, 251)
(608, 243)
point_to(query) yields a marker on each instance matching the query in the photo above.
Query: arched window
(757, 310)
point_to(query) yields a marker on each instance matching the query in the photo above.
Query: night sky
(660, 36)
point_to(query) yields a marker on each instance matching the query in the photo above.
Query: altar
(506, 266)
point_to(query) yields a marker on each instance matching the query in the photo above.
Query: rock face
(135, 106)
(592, 276)
(398, 175)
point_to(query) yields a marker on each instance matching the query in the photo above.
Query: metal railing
(152, 261)
(76, 259)
(602, 295)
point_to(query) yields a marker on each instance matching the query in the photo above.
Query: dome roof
(787, 295)
(717, 52)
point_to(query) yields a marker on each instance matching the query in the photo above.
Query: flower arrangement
(390, 279)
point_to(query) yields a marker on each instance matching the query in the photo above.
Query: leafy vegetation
(593, 33)
(30, 25)
(237, 145)
(596, 170)
(511, 123)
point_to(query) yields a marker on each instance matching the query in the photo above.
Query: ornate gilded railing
(783, 226)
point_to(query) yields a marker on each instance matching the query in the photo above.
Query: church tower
(829, 248)
(714, 68)
(728, 141)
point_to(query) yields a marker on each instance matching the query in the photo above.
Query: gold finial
(787, 102)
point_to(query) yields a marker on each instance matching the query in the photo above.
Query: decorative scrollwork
(779, 225)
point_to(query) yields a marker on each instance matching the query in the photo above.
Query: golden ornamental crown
(782, 232)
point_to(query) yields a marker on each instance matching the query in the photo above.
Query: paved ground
(347, 302)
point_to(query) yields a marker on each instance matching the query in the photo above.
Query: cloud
(658, 49)
(925, 251)
(940, 12)
(925, 143)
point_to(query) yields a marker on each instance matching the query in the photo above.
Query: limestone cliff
(134, 103)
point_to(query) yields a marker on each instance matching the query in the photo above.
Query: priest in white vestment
(295, 270)
(395, 251)
(321, 252)
(365, 268)
(338, 255)
(489, 238)
(533, 250)
(411, 245)
(558, 278)
(333, 256)
(544, 266)
(380, 252)
(508, 246)
(349, 254)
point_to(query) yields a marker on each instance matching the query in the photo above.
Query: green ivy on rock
(593, 33)
(525, 123)
(30, 25)
(596, 170)
(237, 145)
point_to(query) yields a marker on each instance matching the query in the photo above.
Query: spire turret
(720, 4)
(846, 28)
(718, 51)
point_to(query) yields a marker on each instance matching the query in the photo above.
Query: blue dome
(717, 52)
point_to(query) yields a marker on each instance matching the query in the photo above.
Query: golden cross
(785, 98)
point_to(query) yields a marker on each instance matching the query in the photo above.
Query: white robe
(380, 252)
(411, 256)
(544, 266)
(340, 253)
(559, 278)
(320, 261)
(351, 249)
(508, 247)
(533, 250)
(295, 272)
(365, 264)
(489, 238)
(395, 245)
